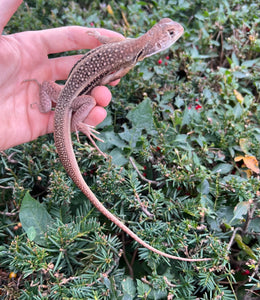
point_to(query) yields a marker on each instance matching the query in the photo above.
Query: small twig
(9, 157)
(116, 260)
(253, 233)
(144, 209)
(134, 256)
(8, 214)
(233, 237)
(220, 34)
(138, 172)
(249, 292)
(249, 218)
(6, 187)
(168, 282)
(255, 271)
(131, 272)
(146, 281)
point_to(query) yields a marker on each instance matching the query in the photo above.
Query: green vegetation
(188, 121)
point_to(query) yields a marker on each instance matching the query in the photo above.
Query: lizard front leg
(48, 93)
(82, 105)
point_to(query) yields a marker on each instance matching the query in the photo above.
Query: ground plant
(182, 135)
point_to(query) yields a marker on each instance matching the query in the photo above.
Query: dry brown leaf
(238, 158)
(252, 163)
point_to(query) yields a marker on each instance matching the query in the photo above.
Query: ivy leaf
(35, 219)
(186, 117)
(143, 289)
(142, 117)
(129, 288)
(117, 157)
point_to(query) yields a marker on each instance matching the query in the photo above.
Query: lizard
(100, 66)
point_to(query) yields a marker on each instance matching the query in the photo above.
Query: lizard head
(160, 37)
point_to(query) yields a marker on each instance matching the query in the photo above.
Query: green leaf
(235, 59)
(127, 134)
(181, 138)
(118, 158)
(249, 63)
(245, 145)
(112, 138)
(129, 288)
(240, 74)
(131, 136)
(31, 233)
(254, 225)
(143, 289)
(237, 111)
(240, 210)
(221, 216)
(186, 117)
(222, 168)
(141, 116)
(203, 188)
(243, 246)
(179, 101)
(146, 74)
(35, 219)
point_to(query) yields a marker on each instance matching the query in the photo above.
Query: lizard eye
(172, 33)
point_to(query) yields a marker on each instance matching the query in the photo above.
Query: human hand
(24, 56)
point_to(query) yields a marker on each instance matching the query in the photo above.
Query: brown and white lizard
(100, 66)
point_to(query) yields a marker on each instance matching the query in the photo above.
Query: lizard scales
(100, 66)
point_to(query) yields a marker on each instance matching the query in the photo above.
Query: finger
(113, 83)
(7, 9)
(70, 38)
(61, 66)
(96, 116)
(102, 95)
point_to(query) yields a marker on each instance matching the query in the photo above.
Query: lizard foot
(91, 133)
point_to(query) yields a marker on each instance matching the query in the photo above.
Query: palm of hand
(24, 56)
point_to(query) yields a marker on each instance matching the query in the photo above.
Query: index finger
(70, 38)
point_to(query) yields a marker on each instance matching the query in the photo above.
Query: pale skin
(24, 56)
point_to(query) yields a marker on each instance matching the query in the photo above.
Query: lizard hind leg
(82, 106)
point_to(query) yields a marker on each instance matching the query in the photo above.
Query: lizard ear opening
(140, 56)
